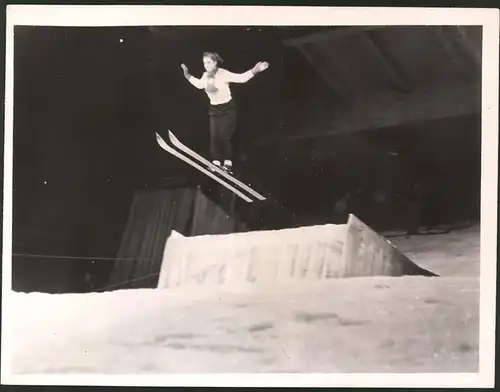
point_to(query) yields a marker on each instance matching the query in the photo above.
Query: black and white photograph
(236, 195)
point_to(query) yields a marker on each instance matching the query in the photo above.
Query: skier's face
(209, 64)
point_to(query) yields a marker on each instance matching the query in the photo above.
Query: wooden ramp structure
(282, 256)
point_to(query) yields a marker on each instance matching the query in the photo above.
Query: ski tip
(160, 141)
(171, 135)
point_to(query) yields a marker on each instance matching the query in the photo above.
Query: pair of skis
(208, 168)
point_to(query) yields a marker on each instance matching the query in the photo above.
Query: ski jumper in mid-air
(222, 109)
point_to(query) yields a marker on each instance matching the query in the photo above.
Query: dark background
(355, 116)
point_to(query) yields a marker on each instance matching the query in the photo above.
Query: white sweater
(217, 88)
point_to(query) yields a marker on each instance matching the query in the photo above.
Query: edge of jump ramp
(282, 256)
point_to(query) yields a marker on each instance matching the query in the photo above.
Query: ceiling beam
(381, 110)
(474, 49)
(447, 44)
(335, 72)
(334, 33)
(323, 65)
(470, 50)
(396, 79)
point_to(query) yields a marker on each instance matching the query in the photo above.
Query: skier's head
(211, 61)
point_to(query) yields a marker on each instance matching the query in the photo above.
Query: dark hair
(214, 56)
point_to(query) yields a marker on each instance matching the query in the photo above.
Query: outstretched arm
(246, 76)
(198, 83)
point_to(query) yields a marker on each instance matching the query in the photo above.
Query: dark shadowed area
(382, 122)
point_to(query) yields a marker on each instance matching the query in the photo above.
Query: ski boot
(215, 163)
(228, 166)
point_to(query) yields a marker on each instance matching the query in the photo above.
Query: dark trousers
(222, 126)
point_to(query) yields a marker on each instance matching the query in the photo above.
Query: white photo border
(164, 15)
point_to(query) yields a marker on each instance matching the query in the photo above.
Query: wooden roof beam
(396, 79)
(317, 60)
(446, 42)
(334, 33)
(473, 50)
(387, 110)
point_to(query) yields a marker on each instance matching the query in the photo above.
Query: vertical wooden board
(368, 254)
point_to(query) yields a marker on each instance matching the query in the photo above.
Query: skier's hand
(259, 67)
(263, 65)
(185, 70)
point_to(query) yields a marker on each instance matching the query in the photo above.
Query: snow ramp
(282, 256)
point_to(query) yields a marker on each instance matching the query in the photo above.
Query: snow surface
(374, 324)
